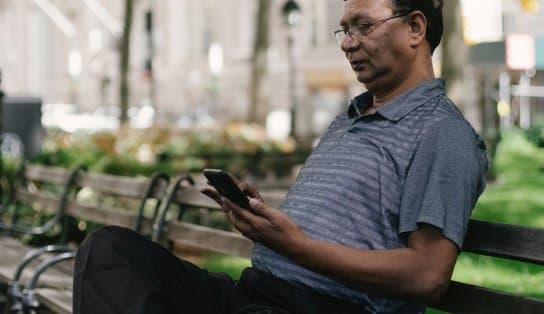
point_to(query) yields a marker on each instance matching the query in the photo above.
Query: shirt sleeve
(444, 180)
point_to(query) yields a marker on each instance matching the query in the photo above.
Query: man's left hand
(265, 224)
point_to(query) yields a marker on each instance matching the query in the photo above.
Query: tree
(257, 105)
(454, 50)
(124, 62)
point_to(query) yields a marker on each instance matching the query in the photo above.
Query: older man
(376, 217)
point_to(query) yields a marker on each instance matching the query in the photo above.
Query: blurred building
(66, 51)
(505, 70)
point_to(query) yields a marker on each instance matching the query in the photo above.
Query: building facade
(66, 51)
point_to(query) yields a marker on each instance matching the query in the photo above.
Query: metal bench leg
(15, 290)
(165, 205)
(30, 303)
(155, 179)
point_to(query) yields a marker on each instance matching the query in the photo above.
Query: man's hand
(260, 223)
(265, 224)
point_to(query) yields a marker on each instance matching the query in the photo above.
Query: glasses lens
(340, 36)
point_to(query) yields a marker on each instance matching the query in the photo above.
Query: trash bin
(22, 118)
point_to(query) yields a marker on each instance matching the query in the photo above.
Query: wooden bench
(485, 238)
(43, 190)
(506, 241)
(92, 198)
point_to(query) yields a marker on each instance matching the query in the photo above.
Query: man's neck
(418, 75)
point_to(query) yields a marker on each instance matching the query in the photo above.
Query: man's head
(390, 42)
(432, 9)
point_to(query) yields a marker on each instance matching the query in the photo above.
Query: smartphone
(224, 184)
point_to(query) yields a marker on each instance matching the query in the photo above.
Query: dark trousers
(120, 271)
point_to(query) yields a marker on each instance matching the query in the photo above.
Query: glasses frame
(362, 29)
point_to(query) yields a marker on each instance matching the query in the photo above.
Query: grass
(230, 265)
(516, 197)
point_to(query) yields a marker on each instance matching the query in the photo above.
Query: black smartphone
(224, 184)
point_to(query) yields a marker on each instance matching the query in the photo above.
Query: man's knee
(107, 243)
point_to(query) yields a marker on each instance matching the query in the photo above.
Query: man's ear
(418, 28)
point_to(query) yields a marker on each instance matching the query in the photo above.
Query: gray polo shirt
(372, 179)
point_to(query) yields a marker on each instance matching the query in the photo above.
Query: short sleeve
(444, 180)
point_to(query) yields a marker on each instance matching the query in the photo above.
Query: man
(375, 219)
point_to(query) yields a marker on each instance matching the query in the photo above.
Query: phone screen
(223, 183)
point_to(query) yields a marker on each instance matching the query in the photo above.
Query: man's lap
(120, 271)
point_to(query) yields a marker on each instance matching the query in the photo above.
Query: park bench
(90, 198)
(42, 190)
(492, 239)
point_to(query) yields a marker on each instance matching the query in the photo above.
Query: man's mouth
(357, 65)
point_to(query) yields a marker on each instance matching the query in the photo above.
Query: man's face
(380, 55)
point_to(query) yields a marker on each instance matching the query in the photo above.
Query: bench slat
(101, 215)
(44, 199)
(59, 301)
(220, 241)
(503, 240)
(466, 298)
(111, 184)
(191, 196)
(56, 175)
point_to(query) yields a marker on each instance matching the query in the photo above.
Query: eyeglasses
(355, 32)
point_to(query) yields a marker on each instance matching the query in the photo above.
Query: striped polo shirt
(373, 178)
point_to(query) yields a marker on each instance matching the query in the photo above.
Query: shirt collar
(402, 105)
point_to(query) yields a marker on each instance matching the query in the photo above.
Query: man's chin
(364, 77)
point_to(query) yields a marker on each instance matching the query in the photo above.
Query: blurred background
(103, 65)
(133, 86)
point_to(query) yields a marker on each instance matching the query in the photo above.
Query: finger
(260, 208)
(251, 191)
(211, 193)
(242, 213)
(240, 224)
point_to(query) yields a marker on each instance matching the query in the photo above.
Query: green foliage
(238, 148)
(535, 133)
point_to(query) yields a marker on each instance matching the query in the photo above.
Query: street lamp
(292, 14)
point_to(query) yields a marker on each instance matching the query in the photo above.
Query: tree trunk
(454, 51)
(257, 105)
(124, 62)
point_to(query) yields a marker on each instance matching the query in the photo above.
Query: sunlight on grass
(520, 278)
(230, 265)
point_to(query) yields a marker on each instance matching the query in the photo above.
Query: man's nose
(348, 44)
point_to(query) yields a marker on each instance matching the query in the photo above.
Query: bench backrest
(498, 240)
(117, 200)
(44, 189)
(131, 202)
